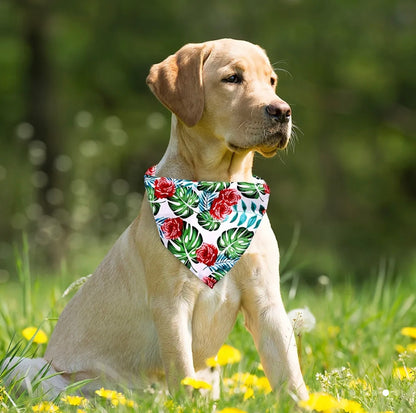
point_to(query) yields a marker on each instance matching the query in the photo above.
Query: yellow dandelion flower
(360, 384)
(351, 406)
(246, 379)
(107, 394)
(410, 348)
(196, 384)
(321, 402)
(226, 355)
(81, 411)
(38, 335)
(231, 410)
(409, 331)
(247, 384)
(75, 400)
(403, 373)
(173, 406)
(115, 402)
(116, 398)
(248, 393)
(131, 403)
(399, 348)
(169, 404)
(264, 385)
(45, 407)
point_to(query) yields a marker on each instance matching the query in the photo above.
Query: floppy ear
(177, 82)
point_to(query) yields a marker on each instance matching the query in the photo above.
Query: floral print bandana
(206, 225)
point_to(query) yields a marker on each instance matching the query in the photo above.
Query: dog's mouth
(270, 149)
(268, 146)
(278, 139)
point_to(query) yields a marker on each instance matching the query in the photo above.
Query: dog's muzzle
(280, 116)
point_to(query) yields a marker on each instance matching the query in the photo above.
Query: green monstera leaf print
(207, 221)
(154, 203)
(251, 190)
(184, 248)
(183, 202)
(234, 242)
(212, 186)
(222, 266)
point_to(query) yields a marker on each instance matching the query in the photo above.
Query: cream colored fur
(143, 316)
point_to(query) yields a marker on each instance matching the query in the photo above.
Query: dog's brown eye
(233, 79)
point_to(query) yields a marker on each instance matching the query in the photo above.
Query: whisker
(279, 62)
(296, 129)
(293, 138)
(280, 69)
(284, 71)
(279, 154)
(242, 124)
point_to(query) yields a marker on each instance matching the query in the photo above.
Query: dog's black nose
(279, 110)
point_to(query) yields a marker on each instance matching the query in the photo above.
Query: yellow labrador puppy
(143, 315)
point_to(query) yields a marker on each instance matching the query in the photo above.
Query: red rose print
(266, 188)
(219, 209)
(230, 196)
(207, 254)
(172, 228)
(164, 188)
(151, 171)
(209, 281)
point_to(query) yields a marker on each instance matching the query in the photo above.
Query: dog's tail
(33, 375)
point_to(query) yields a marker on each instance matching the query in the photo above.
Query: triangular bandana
(206, 225)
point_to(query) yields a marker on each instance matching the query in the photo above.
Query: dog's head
(228, 88)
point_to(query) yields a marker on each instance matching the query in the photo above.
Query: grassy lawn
(357, 358)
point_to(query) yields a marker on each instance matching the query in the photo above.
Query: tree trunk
(41, 109)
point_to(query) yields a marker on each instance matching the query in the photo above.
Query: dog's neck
(191, 154)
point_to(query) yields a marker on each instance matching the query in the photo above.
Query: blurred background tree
(79, 127)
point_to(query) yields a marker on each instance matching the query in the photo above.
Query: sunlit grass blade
(24, 274)
(288, 254)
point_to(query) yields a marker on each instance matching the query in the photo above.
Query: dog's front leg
(170, 298)
(172, 319)
(266, 319)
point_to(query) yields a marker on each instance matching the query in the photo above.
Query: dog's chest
(214, 315)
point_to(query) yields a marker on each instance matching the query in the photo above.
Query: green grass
(350, 354)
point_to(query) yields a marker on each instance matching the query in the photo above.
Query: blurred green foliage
(346, 68)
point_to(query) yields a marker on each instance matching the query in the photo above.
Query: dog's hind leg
(33, 375)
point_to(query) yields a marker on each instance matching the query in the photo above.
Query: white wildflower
(302, 320)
